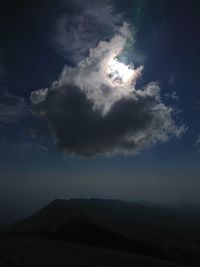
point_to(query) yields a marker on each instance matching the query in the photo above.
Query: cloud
(198, 141)
(175, 96)
(91, 116)
(81, 26)
(12, 108)
(21, 148)
(172, 95)
(22, 152)
(171, 79)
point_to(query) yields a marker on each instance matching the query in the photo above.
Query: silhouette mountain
(137, 228)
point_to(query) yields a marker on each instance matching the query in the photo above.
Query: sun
(119, 73)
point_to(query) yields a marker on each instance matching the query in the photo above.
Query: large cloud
(90, 116)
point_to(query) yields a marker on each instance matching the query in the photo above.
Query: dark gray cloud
(91, 116)
(12, 108)
(81, 26)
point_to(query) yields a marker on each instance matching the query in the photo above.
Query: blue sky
(32, 57)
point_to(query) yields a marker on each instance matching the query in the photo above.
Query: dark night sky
(38, 38)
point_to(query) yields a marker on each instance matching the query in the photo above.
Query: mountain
(151, 230)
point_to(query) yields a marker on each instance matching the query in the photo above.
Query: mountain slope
(137, 228)
(23, 251)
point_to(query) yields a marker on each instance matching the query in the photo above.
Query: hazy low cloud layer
(90, 116)
(12, 108)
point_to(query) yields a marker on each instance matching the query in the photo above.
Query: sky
(98, 99)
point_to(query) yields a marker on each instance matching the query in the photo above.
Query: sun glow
(119, 73)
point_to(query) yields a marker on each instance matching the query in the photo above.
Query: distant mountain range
(147, 229)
